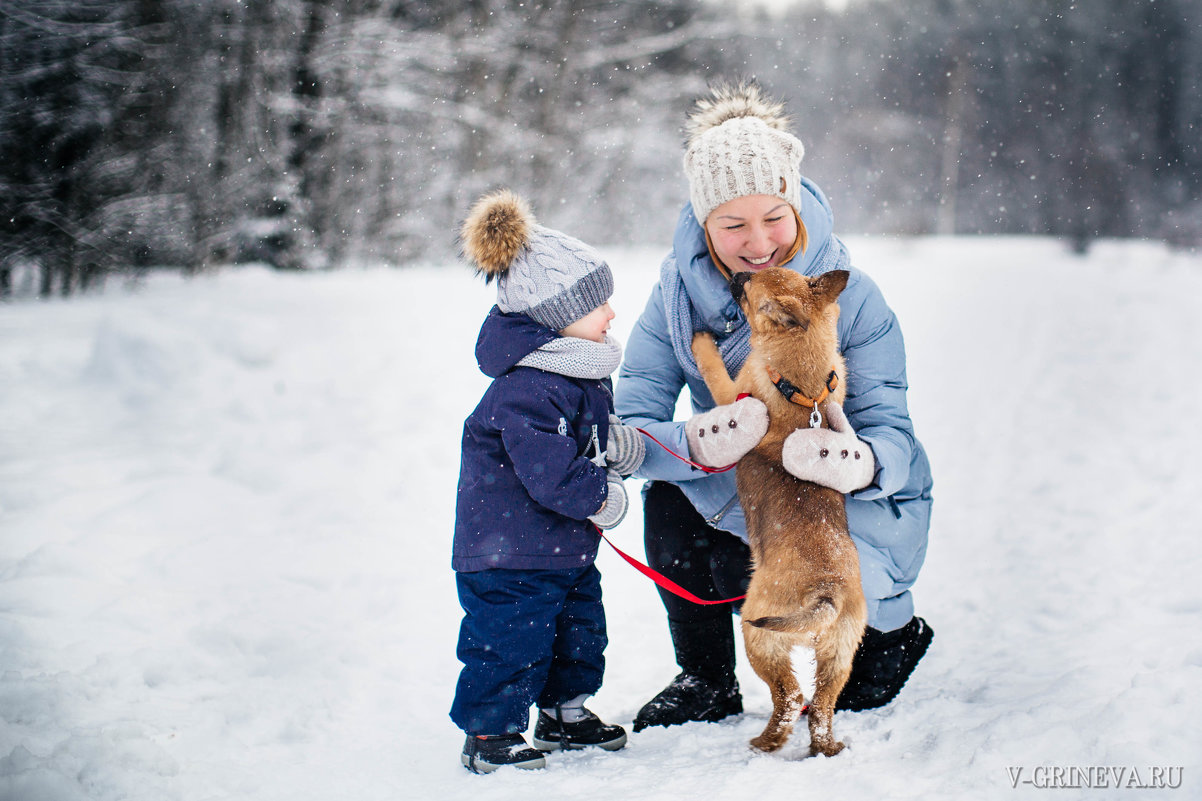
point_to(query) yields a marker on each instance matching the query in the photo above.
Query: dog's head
(778, 299)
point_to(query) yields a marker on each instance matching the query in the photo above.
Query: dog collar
(793, 394)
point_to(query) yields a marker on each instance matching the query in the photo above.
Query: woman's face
(752, 232)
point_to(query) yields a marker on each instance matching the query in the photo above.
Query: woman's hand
(724, 434)
(833, 457)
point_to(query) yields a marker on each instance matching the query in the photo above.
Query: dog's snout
(736, 285)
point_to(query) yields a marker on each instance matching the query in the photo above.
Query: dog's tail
(819, 609)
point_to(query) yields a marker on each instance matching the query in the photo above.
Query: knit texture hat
(738, 145)
(549, 276)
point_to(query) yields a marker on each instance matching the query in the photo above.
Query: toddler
(541, 469)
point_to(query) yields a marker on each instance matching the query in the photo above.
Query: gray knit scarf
(576, 357)
(681, 325)
(735, 347)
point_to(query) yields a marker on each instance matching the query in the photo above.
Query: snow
(226, 507)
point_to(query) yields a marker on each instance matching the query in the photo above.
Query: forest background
(137, 134)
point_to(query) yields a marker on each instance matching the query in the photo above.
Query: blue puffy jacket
(527, 479)
(888, 519)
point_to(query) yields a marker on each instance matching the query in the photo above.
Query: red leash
(659, 578)
(685, 459)
(662, 580)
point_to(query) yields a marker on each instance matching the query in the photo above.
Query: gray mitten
(625, 450)
(721, 436)
(833, 457)
(614, 508)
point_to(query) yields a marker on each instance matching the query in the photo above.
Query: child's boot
(485, 754)
(570, 726)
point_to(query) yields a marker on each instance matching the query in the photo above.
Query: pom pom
(728, 102)
(495, 231)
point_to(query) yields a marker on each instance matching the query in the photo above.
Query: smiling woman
(750, 208)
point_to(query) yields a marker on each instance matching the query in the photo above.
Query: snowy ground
(226, 506)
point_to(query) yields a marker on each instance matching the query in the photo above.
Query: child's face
(593, 326)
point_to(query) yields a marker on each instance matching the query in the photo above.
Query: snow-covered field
(226, 508)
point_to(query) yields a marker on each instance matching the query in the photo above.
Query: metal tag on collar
(815, 417)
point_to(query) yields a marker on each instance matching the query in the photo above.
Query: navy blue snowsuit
(531, 472)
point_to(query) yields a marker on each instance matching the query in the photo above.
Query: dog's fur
(805, 589)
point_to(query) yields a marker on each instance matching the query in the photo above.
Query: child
(542, 462)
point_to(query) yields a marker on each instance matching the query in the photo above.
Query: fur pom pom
(495, 231)
(728, 102)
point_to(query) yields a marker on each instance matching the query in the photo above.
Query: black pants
(711, 564)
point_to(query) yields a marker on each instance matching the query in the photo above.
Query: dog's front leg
(712, 369)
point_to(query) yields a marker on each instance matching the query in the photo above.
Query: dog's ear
(827, 286)
(785, 311)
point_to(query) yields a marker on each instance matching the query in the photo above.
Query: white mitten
(614, 508)
(625, 450)
(833, 457)
(723, 435)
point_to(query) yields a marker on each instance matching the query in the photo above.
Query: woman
(751, 209)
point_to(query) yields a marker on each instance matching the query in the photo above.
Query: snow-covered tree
(308, 133)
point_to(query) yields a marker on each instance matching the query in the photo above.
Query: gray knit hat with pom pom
(549, 276)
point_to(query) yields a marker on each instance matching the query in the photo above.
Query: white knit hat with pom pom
(738, 145)
(549, 276)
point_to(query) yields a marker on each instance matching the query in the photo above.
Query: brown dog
(805, 589)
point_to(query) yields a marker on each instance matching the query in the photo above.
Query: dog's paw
(703, 344)
(768, 743)
(826, 749)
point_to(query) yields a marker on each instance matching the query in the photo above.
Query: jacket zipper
(598, 457)
(721, 513)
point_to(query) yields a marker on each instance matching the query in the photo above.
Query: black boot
(553, 733)
(882, 665)
(486, 754)
(706, 689)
